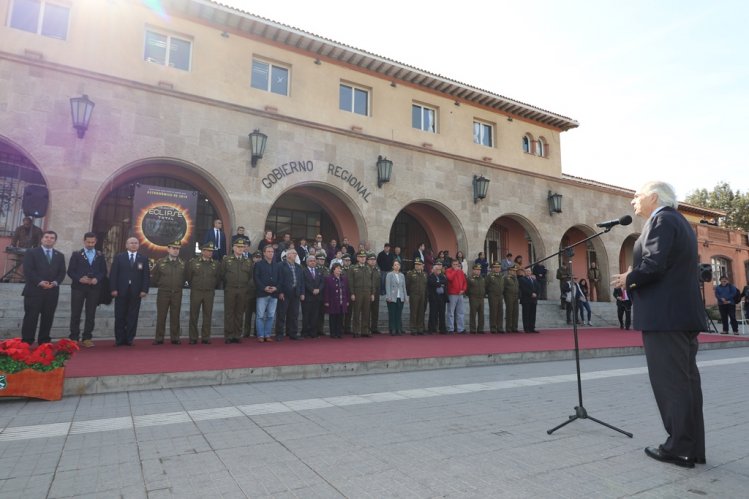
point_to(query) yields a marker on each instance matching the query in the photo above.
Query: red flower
(66, 346)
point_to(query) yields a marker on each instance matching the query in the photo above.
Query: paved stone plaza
(472, 432)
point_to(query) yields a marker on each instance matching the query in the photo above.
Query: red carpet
(106, 360)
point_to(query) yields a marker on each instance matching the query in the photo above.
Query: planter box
(33, 384)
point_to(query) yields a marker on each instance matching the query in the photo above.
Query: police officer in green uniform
(495, 287)
(511, 301)
(362, 294)
(476, 292)
(325, 271)
(374, 310)
(416, 287)
(203, 276)
(251, 300)
(346, 270)
(168, 275)
(236, 272)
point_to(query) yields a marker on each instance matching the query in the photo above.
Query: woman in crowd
(395, 295)
(459, 256)
(268, 240)
(519, 261)
(584, 303)
(336, 299)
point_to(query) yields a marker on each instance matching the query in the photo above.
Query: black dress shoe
(227, 341)
(660, 455)
(157, 342)
(296, 338)
(193, 342)
(206, 342)
(175, 342)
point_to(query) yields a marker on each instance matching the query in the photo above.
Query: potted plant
(34, 372)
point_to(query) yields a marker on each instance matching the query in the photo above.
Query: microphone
(625, 220)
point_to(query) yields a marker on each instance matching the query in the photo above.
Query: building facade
(178, 88)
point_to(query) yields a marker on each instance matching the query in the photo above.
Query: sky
(660, 87)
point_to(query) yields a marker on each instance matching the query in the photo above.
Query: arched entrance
(310, 209)
(625, 253)
(513, 234)
(17, 173)
(113, 216)
(583, 255)
(429, 223)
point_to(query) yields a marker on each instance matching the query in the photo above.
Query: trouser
(417, 308)
(476, 310)
(126, 310)
(80, 296)
(582, 307)
(336, 325)
(201, 299)
(347, 321)
(287, 317)
(455, 314)
(541, 289)
(321, 319)
(395, 311)
(168, 302)
(235, 300)
(360, 313)
(437, 315)
(675, 379)
(249, 312)
(728, 313)
(623, 311)
(374, 315)
(495, 314)
(264, 314)
(511, 312)
(43, 304)
(593, 291)
(529, 316)
(310, 317)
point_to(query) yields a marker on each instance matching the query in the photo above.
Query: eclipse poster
(162, 216)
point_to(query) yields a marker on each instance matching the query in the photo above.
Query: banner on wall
(161, 216)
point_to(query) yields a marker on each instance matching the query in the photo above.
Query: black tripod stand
(580, 411)
(710, 324)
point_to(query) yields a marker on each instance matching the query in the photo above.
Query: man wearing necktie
(44, 270)
(87, 269)
(623, 307)
(216, 236)
(314, 283)
(129, 281)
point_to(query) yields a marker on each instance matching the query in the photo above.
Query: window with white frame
(353, 99)
(483, 133)
(527, 141)
(541, 147)
(270, 77)
(424, 118)
(721, 267)
(40, 17)
(167, 50)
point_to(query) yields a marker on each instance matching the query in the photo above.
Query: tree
(735, 204)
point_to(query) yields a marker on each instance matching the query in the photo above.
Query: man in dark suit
(314, 283)
(218, 238)
(290, 295)
(87, 270)
(437, 296)
(528, 299)
(44, 270)
(129, 280)
(663, 284)
(623, 308)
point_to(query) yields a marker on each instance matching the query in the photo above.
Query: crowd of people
(265, 291)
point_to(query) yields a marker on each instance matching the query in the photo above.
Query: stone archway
(305, 210)
(585, 254)
(513, 233)
(111, 219)
(429, 222)
(625, 252)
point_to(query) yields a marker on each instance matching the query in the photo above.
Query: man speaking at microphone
(663, 285)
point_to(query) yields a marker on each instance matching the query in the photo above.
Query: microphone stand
(580, 411)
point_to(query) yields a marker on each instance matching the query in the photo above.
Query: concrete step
(548, 316)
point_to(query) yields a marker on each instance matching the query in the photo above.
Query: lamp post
(384, 170)
(257, 145)
(480, 186)
(555, 203)
(80, 112)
